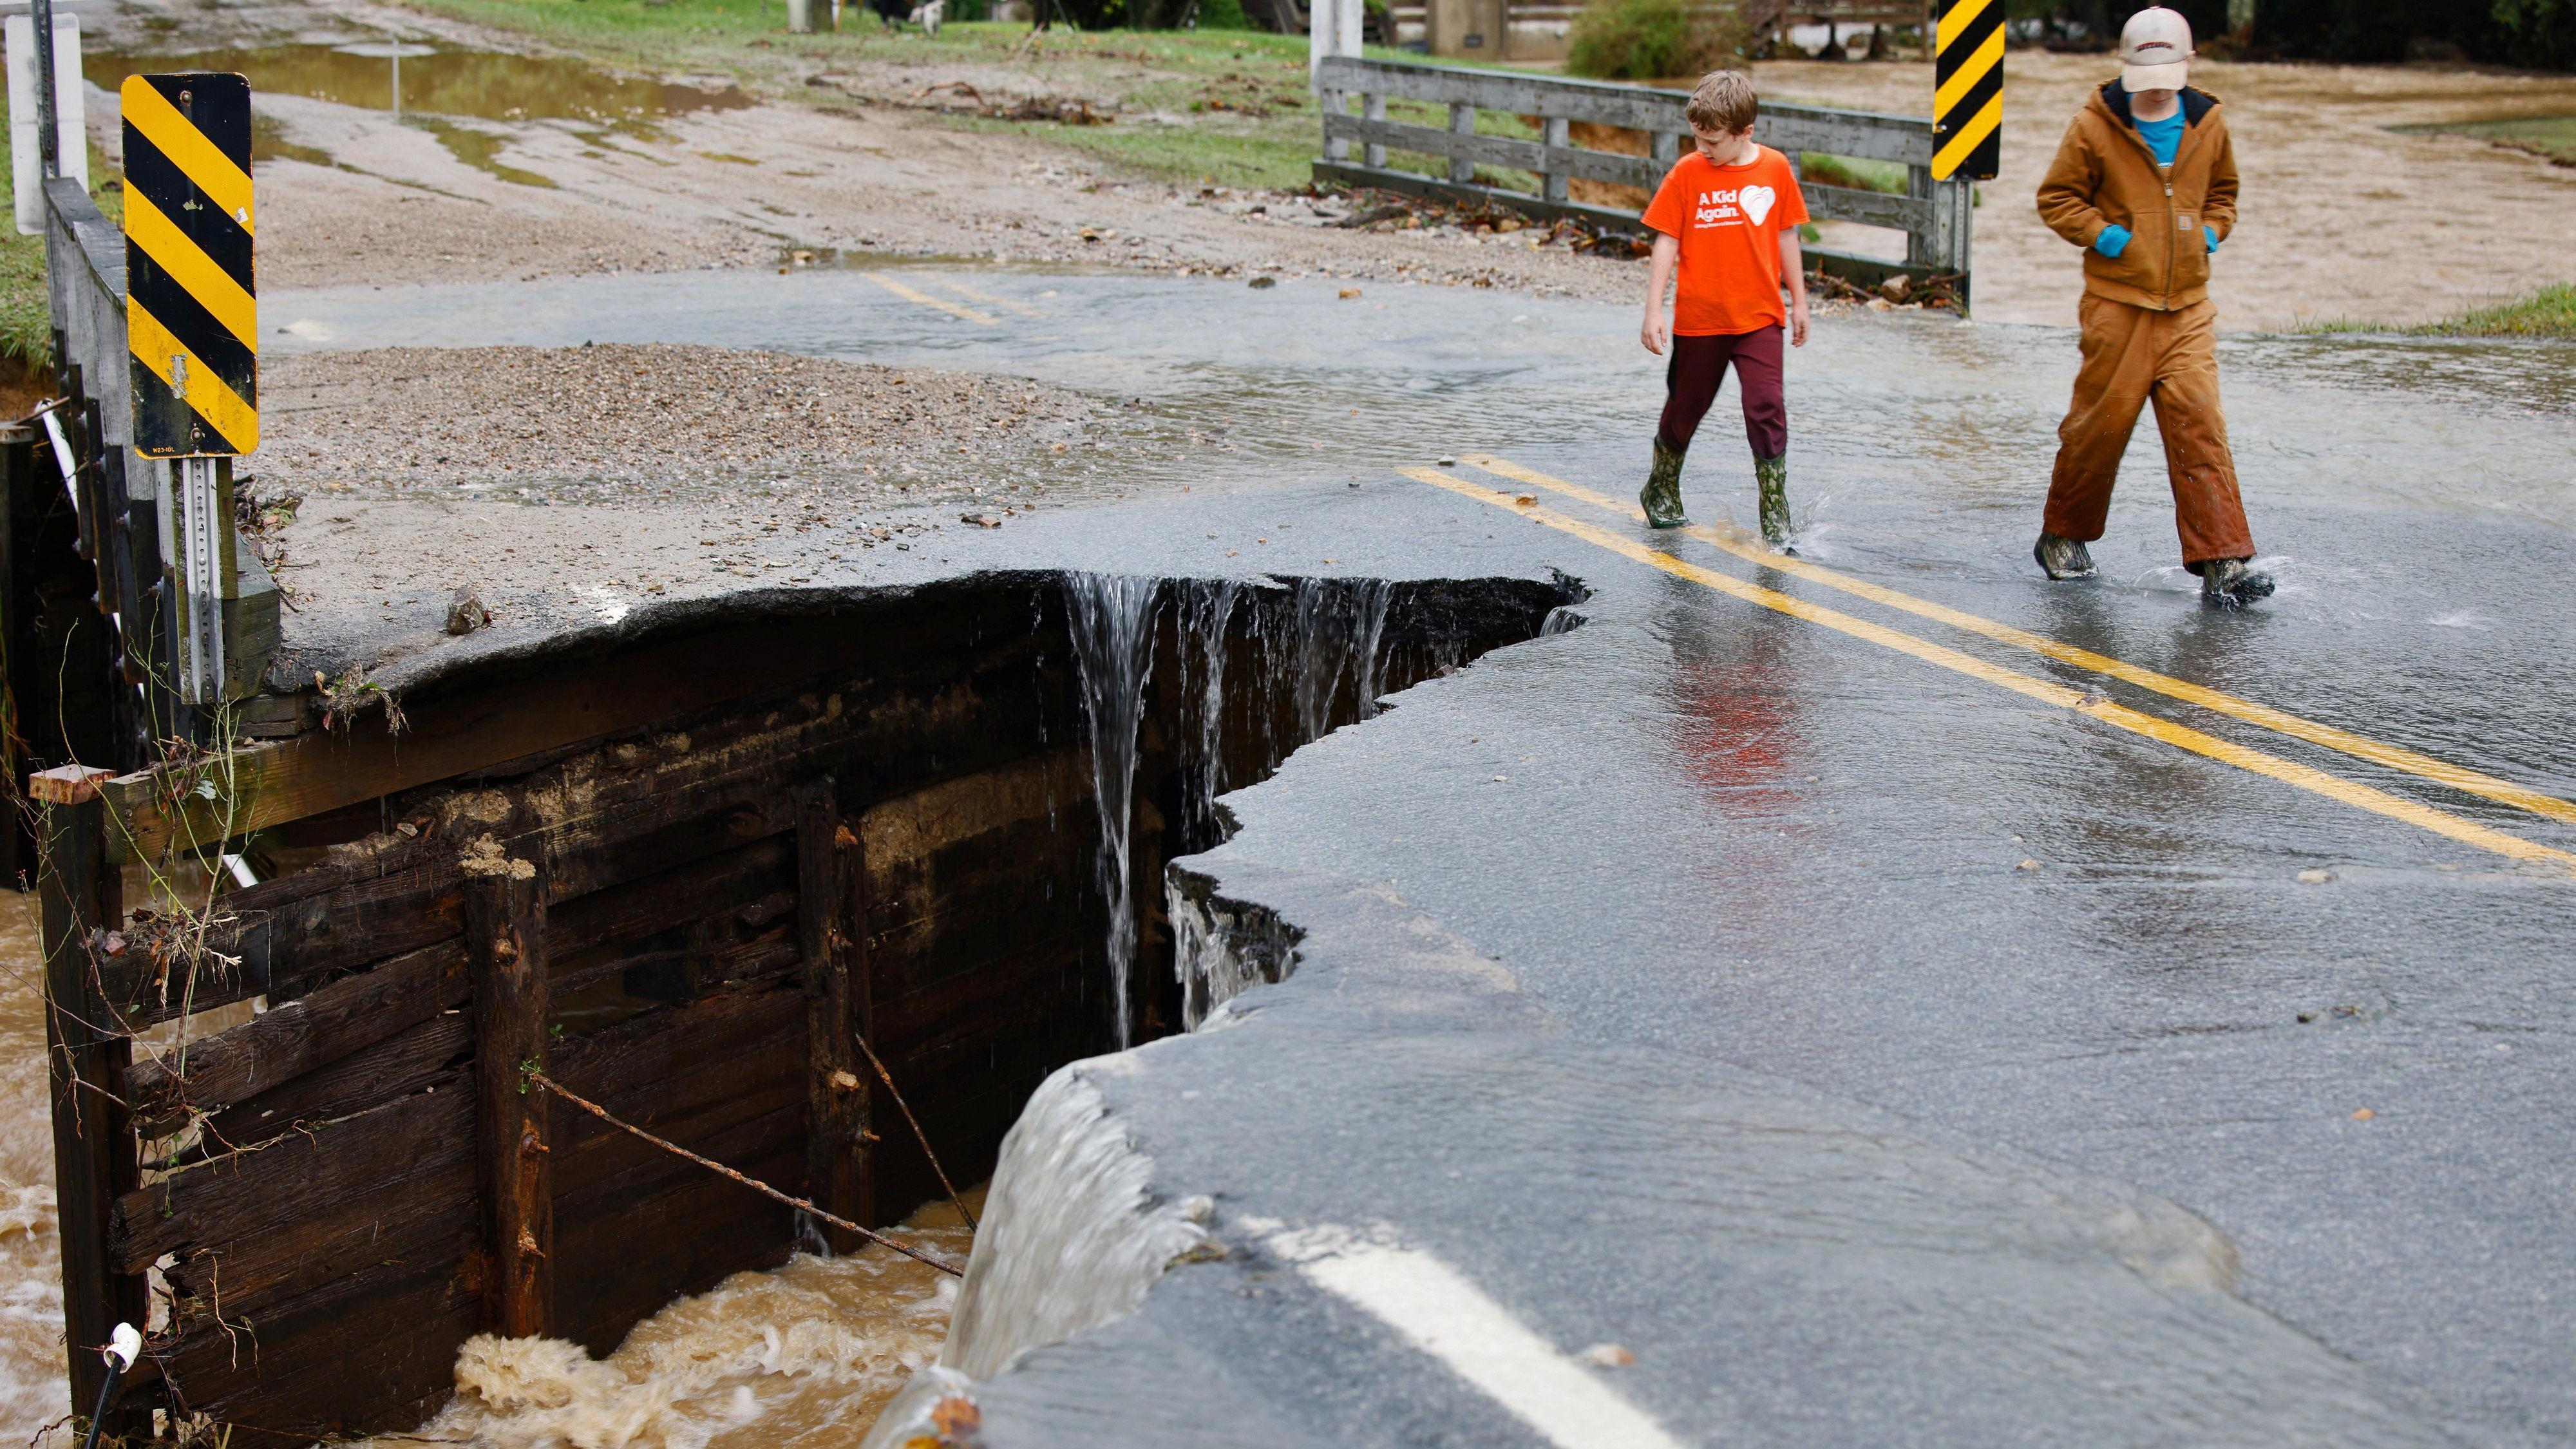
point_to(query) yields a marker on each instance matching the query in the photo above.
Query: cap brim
(2156, 77)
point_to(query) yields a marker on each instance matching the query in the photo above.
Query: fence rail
(1935, 216)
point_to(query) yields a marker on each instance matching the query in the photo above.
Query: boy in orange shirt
(1729, 214)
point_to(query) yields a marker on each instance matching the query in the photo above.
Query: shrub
(1653, 39)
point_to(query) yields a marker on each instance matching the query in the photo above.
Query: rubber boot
(2227, 583)
(2063, 558)
(1771, 478)
(1662, 496)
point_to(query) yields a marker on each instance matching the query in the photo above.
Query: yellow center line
(2360, 747)
(987, 298)
(927, 300)
(2315, 781)
(194, 271)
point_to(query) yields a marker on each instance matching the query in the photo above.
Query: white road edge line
(1439, 1312)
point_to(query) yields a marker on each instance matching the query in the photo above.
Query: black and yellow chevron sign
(189, 314)
(1968, 90)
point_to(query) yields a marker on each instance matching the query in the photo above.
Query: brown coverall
(2150, 330)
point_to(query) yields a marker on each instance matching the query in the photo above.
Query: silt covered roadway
(1883, 997)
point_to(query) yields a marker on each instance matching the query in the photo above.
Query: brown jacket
(2104, 175)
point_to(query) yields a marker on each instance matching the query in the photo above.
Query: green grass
(26, 314)
(2549, 312)
(1248, 119)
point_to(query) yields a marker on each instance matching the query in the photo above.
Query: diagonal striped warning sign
(191, 317)
(1968, 90)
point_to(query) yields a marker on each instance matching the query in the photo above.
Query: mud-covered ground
(2343, 217)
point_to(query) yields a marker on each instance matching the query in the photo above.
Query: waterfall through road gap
(1112, 620)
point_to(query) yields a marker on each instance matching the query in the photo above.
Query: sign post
(192, 324)
(1968, 91)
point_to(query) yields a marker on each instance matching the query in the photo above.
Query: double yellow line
(2316, 781)
(921, 298)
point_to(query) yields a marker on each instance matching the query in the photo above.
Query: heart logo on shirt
(1756, 201)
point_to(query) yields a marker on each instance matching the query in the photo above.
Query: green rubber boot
(1771, 476)
(1662, 496)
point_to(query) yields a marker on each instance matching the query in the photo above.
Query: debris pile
(1933, 291)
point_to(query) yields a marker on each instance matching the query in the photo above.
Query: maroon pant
(1698, 365)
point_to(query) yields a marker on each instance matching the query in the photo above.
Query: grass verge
(2549, 312)
(26, 314)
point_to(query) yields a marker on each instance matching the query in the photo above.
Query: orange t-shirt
(1728, 220)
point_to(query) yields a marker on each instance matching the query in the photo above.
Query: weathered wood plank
(505, 951)
(244, 1278)
(1871, 135)
(337, 1365)
(654, 680)
(274, 1188)
(428, 1056)
(299, 1036)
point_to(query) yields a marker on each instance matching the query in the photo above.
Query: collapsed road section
(681, 874)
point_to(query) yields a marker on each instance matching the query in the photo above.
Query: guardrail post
(1923, 243)
(1462, 122)
(95, 1154)
(1336, 148)
(1952, 221)
(1665, 148)
(1556, 131)
(1373, 107)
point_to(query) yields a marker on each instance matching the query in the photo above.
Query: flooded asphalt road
(1876, 1048)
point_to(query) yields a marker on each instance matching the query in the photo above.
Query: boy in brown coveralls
(2145, 182)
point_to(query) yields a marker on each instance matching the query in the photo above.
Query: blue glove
(2211, 232)
(2113, 241)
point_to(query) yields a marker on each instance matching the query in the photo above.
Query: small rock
(1607, 1355)
(2315, 877)
(1446, 462)
(1259, 284)
(2027, 865)
(980, 520)
(465, 612)
(1881, 304)
(1349, 292)
(2363, 1115)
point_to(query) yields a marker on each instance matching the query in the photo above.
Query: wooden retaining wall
(684, 921)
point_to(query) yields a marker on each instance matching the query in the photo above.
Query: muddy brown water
(487, 85)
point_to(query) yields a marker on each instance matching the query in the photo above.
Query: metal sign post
(192, 323)
(48, 151)
(1968, 91)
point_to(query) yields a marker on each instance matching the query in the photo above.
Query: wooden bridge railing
(1933, 215)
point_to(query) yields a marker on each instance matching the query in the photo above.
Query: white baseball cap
(2155, 51)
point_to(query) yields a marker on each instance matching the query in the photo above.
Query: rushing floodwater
(31, 1291)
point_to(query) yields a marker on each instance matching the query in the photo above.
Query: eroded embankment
(922, 817)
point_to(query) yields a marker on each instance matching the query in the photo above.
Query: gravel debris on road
(399, 420)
